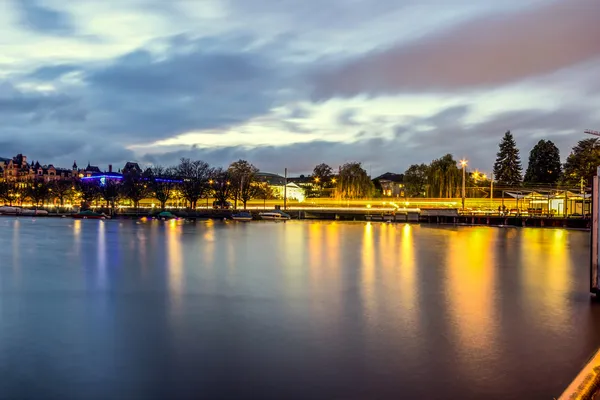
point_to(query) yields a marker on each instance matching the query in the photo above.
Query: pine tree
(544, 163)
(507, 169)
(582, 162)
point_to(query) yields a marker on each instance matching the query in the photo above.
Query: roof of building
(270, 178)
(390, 176)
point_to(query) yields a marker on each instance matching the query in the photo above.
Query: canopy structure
(527, 195)
(553, 201)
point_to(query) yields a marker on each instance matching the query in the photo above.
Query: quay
(432, 216)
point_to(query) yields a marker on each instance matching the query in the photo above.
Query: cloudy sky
(289, 83)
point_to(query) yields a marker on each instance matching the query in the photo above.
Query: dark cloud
(198, 85)
(479, 142)
(37, 106)
(61, 150)
(43, 19)
(484, 52)
(51, 72)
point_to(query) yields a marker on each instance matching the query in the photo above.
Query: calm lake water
(295, 310)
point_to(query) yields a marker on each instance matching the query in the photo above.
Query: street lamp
(463, 163)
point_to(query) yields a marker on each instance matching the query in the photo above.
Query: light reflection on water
(96, 309)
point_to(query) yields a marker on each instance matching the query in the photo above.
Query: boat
(274, 215)
(5, 210)
(25, 211)
(166, 215)
(242, 216)
(88, 214)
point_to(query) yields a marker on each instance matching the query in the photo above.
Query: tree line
(442, 177)
(189, 182)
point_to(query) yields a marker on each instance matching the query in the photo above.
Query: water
(295, 310)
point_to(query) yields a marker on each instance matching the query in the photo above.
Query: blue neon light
(101, 177)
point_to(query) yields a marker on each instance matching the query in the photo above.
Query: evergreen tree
(507, 169)
(582, 162)
(544, 163)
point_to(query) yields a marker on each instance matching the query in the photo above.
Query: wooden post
(285, 190)
(595, 237)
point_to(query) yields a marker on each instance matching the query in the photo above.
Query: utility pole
(285, 190)
(464, 169)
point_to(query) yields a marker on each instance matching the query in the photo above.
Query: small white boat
(6, 210)
(274, 215)
(242, 216)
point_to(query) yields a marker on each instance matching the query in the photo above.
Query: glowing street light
(463, 163)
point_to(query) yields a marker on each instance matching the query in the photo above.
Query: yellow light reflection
(368, 271)
(315, 234)
(174, 265)
(471, 278)
(408, 266)
(545, 270)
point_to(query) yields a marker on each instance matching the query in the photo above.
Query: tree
(196, 177)
(544, 163)
(415, 180)
(162, 184)
(507, 169)
(38, 191)
(9, 192)
(242, 175)
(354, 182)
(90, 191)
(322, 175)
(134, 187)
(110, 191)
(61, 189)
(582, 162)
(221, 185)
(444, 177)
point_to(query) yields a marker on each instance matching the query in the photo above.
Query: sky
(291, 84)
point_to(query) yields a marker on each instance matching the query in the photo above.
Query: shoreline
(500, 222)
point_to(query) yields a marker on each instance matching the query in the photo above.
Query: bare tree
(243, 183)
(162, 184)
(195, 179)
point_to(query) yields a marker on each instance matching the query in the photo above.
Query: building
(18, 169)
(392, 185)
(277, 183)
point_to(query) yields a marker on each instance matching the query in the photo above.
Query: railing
(587, 383)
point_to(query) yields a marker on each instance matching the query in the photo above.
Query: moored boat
(88, 214)
(166, 216)
(242, 216)
(8, 210)
(274, 215)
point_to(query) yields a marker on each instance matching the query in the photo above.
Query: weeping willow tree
(353, 182)
(444, 177)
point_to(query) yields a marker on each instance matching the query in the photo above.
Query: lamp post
(463, 163)
(210, 182)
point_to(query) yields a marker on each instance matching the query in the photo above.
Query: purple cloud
(484, 52)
